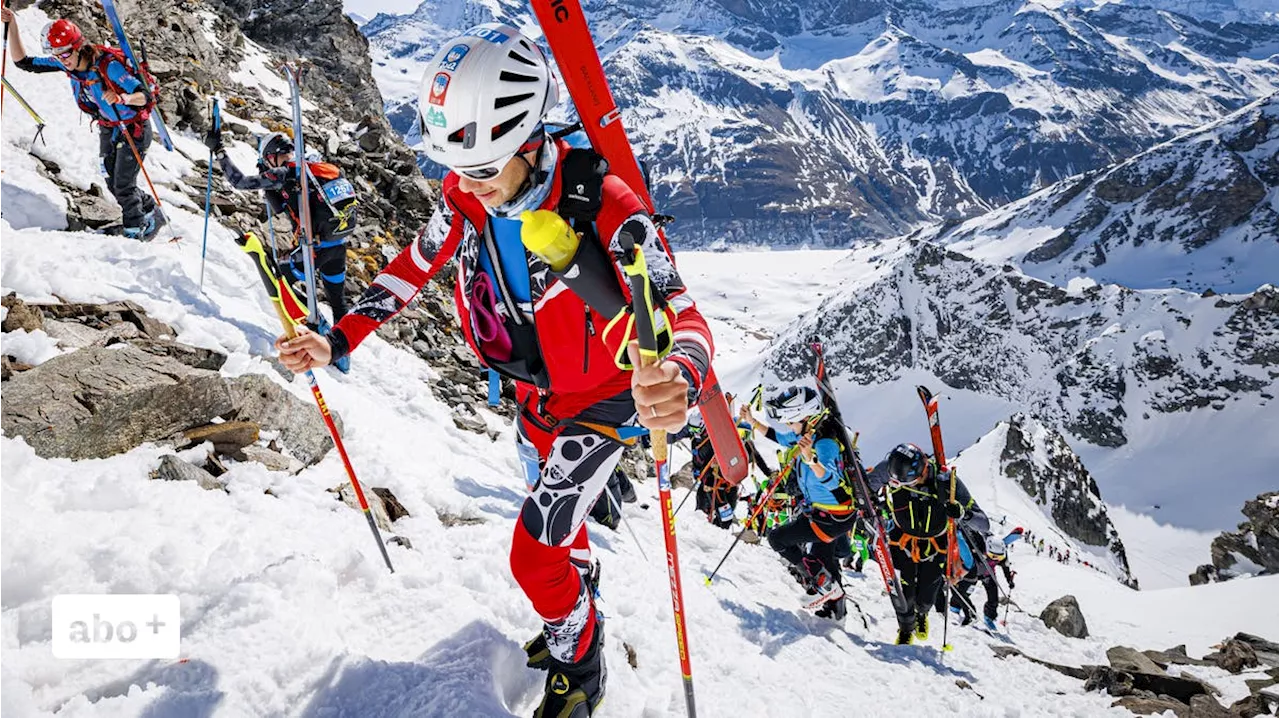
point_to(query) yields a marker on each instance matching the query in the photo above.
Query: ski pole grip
(641, 297)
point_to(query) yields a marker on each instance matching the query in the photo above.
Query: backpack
(150, 87)
(333, 203)
(582, 178)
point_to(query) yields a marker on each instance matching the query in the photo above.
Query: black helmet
(906, 464)
(276, 143)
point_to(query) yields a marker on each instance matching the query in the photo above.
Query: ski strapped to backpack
(854, 471)
(125, 55)
(306, 239)
(565, 27)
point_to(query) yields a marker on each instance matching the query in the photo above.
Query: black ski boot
(906, 629)
(575, 690)
(835, 609)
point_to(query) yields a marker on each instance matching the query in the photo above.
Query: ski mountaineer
(716, 498)
(828, 511)
(988, 553)
(332, 204)
(579, 388)
(113, 97)
(918, 497)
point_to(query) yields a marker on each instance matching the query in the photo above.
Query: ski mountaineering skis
(565, 27)
(871, 519)
(139, 69)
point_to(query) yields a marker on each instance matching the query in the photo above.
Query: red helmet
(63, 35)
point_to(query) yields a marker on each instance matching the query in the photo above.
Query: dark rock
(1143, 706)
(301, 429)
(273, 460)
(1175, 656)
(94, 212)
(1264, 649)
(173, 468)
(1064, 616)
(21, 316)
(1233, 656)
(98, 402)
(450, 520)
(1129, 660)
(1052, 474)
(631, 655)
(1254, 704)
(400, 541)
(1071, 671)
(1204, 573)
(395, 510)
(1254, 548)
(1105, 678)
(1208, 707)
(226, 437)
(195, 357)
(9, 366)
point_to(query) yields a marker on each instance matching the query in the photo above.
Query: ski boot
(922, 626)
(820, 583)
(151, 224)
(834, 609)
(536, 647)
(575, 690)
(906, 632)
(990, 623)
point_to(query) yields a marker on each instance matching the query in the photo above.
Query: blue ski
(156, 119)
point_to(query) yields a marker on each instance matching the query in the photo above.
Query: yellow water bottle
(547, 235)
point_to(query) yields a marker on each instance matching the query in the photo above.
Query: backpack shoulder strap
(581, 184)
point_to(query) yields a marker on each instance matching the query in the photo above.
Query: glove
(213, 140)
(954, 510)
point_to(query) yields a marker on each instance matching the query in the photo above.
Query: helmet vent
(521, 58)
(508, 76)
(509, 100)
(508, 125)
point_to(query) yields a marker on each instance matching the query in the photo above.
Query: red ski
(569, 38)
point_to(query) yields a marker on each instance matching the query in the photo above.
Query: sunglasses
(488, 171)
(67, 55)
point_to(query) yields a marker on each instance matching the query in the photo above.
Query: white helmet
(996, 548)
(482, 96)
(794, 404)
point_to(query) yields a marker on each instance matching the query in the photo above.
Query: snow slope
(287, 610)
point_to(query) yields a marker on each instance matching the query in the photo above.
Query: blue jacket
(88, 87)
(818, 493)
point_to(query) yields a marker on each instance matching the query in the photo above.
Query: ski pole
(642, 304)
(208, 193)
(279, 291)
(777, 481)
(1007, 600)
(685, 500)
(4, 58)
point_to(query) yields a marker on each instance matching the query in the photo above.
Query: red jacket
(577, 355)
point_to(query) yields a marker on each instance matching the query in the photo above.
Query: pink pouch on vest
(490, 329)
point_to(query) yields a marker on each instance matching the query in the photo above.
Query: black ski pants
(122, 170)
(819, 530)
(963, 602)
(331, 273)
(921, 581)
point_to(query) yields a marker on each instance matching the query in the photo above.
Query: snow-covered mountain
(1127, 372)
(822, 121)
(1197, 212)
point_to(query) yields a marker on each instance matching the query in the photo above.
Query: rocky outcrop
(1064, 616)
(1092, 362)
(1252, 549)
(101, 401)
(1043, 464)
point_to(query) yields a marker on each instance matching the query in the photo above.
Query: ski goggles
(64, 53)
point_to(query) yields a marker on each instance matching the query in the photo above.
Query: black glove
(954, 510)
(213, 140)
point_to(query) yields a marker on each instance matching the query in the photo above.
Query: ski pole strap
(637, 272)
